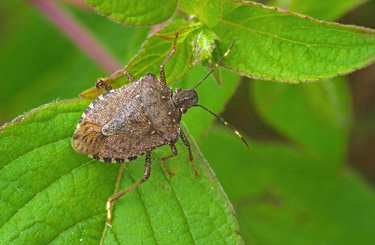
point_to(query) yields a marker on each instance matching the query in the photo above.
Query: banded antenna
(221, 119)
(226, 123)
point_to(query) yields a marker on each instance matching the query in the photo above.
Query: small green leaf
(51, 194)
(207, 11)
(204, 45)
(136, 13)
(278, 45)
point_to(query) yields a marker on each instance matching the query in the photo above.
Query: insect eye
(183, 110)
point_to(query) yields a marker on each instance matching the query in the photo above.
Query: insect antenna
(217, 64)
(227, 124)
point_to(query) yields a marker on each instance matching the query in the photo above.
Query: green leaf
(136, 13)
(154, 51)
(284, 197)
(50, 193)
(273, 44)
(324, 10)
(316, 116)
(207, 11)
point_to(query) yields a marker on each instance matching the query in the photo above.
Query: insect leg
(130, 77)
(161, 70)
(187, 144)
(163, 159)
(118, 195)
(100, 83)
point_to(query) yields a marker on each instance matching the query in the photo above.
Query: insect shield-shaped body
(131, 121)
(125, 123)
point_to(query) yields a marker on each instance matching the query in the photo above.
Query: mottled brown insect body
(126, 123)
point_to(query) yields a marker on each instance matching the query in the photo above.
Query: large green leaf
(316, 116)
(277, 45)
(137, 13)
(49, 193)
(207, 11)
(282, 196)
(324, 10)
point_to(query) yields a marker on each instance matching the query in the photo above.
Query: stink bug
(126, 123)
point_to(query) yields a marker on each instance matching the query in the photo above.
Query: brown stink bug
(126, 123)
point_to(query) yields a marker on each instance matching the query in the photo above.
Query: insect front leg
(191, 158)
(163, 159)
(130, 77)
(118, 195)
(161, 70)
(101, 83)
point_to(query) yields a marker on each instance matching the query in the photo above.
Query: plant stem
(79, 34)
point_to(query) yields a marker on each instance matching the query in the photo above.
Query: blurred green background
(308, 176)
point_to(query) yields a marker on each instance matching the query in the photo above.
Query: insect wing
(107, 106)
(159, 107)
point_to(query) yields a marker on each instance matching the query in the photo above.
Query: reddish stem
(79, 34)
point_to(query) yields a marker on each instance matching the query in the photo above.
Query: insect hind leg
(113, 198)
